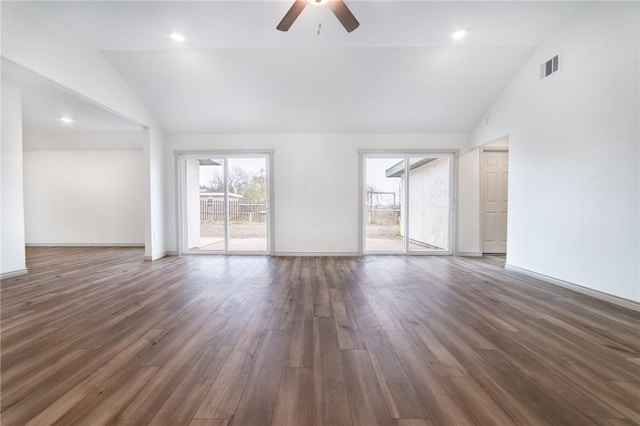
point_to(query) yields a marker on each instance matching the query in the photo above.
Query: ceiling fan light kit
(338, 7)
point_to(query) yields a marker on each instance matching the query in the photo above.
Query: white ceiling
(398, 72)
(44, 98)
(44, 103)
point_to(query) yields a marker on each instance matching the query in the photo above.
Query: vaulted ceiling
(399, 72)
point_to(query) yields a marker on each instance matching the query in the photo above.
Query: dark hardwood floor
(97, 336)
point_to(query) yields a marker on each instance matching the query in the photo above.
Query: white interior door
(495, 178)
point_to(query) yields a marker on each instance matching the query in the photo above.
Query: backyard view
(408, 204)
(411, 192)
(383, 206)
(246, 187)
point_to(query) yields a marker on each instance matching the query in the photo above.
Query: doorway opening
(407, 203)
(225, 202)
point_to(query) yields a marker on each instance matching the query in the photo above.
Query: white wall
(574, 174)
(315, 181)
(429, 203)
(155, 223)
(469, 203)
(72, 140)
(84, 197)
(35, 41)
(12, 254)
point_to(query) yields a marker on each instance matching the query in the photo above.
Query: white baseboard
(469, 254)
(620, 301)
(213, 253)
(316, 254)
(84, 245)
(14, 274)
(155, 256)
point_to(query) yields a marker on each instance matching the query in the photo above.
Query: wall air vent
(550, 67)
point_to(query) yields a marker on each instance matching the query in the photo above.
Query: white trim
(180, 213)
(148, 210)
(405, 203)
(225, 253)
(481, 201)
(156, 256)
(225, 186)
(361, 204)
(235, 153)
(13, 274)
(270, 203)
(411, 253)
(469, 254)
(317, 254)
(84, 245)
(620, 301)
(401, 152)
(454, 212)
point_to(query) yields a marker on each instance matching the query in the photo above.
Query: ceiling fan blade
(344, 15)
(291, 16)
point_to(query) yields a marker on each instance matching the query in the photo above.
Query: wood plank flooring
(96, 336)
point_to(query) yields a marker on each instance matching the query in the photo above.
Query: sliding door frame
(181, 207)
(405, 155)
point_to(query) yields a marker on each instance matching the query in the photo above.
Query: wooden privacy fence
(383, 216)
(239, 211)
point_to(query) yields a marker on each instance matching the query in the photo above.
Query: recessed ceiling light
(177, 37)
(317, 2)
(66, 120)
(458, 35)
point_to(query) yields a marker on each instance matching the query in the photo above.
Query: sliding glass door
(224, 200)
(408, 203)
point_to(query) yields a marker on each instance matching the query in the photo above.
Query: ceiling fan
(342, 12)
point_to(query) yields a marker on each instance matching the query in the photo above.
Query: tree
(256, 189)
(372, 199)
(252, 186)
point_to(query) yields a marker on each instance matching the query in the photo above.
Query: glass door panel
(205, 204)
(247, 197)
(212, 217)
(383, 216)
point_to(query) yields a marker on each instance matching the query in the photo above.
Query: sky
(375, 169)
(376, 173)
(251, 165)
